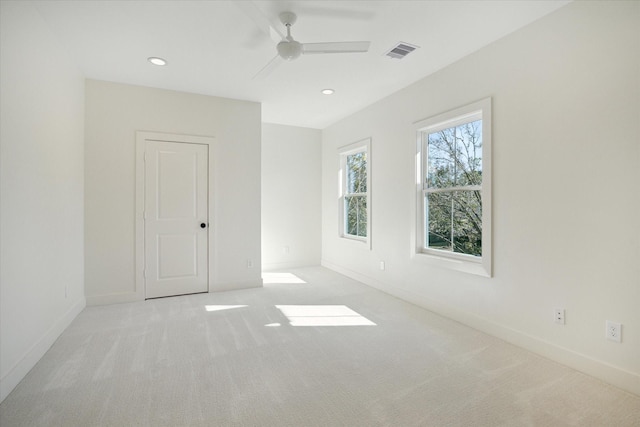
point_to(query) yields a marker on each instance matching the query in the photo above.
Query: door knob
(203, 225)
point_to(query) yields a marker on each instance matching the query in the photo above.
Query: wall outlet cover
(614, 331)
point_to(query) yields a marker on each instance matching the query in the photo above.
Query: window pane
(441, 159)
(356, 218)
(469, 154)
(454, 221)
(454, 156)
(438, 209)
(357, 173)
(467, 222)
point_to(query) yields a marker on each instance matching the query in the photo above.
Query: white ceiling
(215, 48)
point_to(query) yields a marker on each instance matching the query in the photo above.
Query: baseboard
(35, 353)
(133, 296)
(614, 375)
(287, 265)
(234, 286)
(113, 298)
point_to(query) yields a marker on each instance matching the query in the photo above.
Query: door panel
(177, 186)
(177, 256)
(176, 203)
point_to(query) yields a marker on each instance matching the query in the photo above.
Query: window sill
(471, 266)
(357, 241)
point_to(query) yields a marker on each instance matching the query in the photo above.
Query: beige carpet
(327, 352)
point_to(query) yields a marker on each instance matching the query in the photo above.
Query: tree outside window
(453, 184)
(355, 198)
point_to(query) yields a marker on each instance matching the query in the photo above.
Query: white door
(176, 218)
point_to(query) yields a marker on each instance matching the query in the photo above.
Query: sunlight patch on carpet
(222, 307)
(323, 315)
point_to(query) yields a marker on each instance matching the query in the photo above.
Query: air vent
(401, 50)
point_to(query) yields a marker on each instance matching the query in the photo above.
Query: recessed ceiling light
(328, 91)
(156, 61)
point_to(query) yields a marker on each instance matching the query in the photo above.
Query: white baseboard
(134, 296)
(286, 265)
(234, 286)
(614, 375)
(35, 353)
(113, 298)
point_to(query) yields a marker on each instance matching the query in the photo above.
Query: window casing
(355, 180)
(454, 188)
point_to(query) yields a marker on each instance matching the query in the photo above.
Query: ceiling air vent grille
(401, 50)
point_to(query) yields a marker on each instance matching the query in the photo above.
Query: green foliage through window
(355, 199)
(356, 208)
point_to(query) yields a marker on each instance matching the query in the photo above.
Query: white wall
(114, 112)
(41, 191)
(566, 158)
(291, 213)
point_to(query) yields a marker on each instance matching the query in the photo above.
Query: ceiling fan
(289, 49)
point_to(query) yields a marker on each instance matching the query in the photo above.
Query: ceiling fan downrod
(289, 49)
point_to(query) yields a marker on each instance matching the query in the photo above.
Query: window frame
(480, 265)
(363, 145)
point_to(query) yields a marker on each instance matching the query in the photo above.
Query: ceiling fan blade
(335, 12)
(335, 47)
(260, 19)
(268, 69)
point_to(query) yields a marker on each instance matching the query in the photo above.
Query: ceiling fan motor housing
(289, 49)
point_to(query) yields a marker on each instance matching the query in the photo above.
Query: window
(354, 191)
(454, 187)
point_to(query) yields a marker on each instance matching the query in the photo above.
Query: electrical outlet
(285, 249)
(249, 263)
(382, 266)
(558, 315)
(614, 331)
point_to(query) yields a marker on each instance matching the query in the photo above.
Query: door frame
(141, 141)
